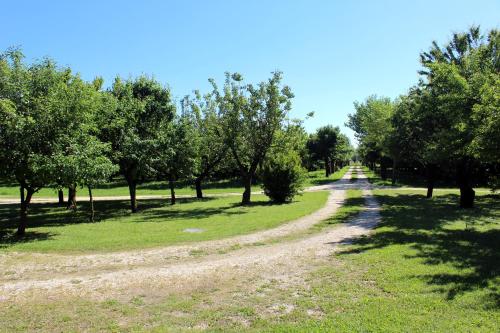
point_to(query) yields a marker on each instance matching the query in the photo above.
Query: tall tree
(134, 128)
(251, 116)
(42, 106)
(457, 77)
(211, 148)
(176, 151)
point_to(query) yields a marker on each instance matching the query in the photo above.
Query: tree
(343, 151)
(176, 151)
(134, 128)
(29, 112)
(371, 124)
(457, 77)
(211, 148)
(322, 145)
(251, 116)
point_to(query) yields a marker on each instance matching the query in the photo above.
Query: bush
(282, 177)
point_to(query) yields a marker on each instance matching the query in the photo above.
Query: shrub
(282, 177)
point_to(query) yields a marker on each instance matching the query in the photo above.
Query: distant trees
(448, 120)
(371, 124)
(330, 146)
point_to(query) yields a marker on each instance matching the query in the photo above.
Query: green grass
(318, 177)
(420, 271)
(414, 181)
(119, 187)
(53, 228)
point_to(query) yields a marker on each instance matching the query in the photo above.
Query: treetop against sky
(332, 53)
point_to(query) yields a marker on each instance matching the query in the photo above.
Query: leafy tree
(251, 117)
(323, 144)
(134, 128)
(83, 161)
(33, 113)
(371, 124)
(343, 152)
(176, 151)
(458, 77)
(211, 148)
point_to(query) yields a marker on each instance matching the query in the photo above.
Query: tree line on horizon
(59, 131)
(447, 126)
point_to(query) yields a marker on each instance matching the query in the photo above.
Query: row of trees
(330, 147)
(448, 123)
(59, 131)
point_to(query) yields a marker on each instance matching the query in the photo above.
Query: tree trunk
(247, 182)
(133, 200)
(327, 167)
(23, 214)
(72, 197)
(430, 180)
(199, 192)
(394, 174)
(60, 194)
(467, 193)
(91, 201)
(171, 183)
(383, 170)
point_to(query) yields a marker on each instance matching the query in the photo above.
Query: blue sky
(331, 52)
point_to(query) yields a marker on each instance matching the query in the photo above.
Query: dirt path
(108, 274)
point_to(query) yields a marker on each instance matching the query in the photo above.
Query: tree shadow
(8, 239)
(430, 227)
(149, 210)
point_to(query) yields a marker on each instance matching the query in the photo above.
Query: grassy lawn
(120, 188)
(415, 182)
(318, 177)
(52, 228)
(420, 271)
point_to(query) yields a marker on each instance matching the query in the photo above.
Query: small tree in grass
(282, 177)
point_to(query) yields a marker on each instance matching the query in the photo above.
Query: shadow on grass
(53, 215)
(163, 185)
(8, 238)
(436, 229)
(350, 209)
(150, 210)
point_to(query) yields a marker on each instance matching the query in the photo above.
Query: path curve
(114, 270)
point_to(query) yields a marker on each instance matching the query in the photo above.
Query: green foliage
(282, 177)
(251, 116)
(371, 125)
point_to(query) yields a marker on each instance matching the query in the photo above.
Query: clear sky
(331, 52)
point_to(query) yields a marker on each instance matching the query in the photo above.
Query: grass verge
(54, 228)
(318, 177)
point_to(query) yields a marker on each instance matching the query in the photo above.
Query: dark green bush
(282, 177)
